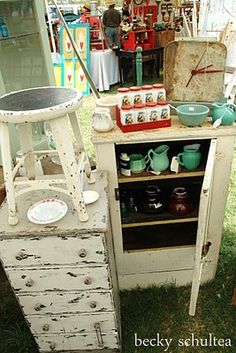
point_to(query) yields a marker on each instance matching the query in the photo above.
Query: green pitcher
(190, 158)
(224, 111)
(158, 158)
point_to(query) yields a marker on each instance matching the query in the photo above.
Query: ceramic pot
(179, 202)
(152, 201)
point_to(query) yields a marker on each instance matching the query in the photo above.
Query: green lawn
(151, 311)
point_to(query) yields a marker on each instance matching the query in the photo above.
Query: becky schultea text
(192, 341)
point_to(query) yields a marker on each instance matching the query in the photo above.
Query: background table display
(104, 68)
(69, 72)
(127, 57)
(64, 276)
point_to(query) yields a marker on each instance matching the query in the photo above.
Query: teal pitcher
(224, 111)
(158, 158)
(190, 158)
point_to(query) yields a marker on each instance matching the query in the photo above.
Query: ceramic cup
(137, 163)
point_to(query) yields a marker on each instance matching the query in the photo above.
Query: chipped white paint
(88, 341)
(64, 276)
(68, 225)
(56, 115)
(79, 323)
(65, 302)
(63, 250)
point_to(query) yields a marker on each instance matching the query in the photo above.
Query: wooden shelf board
(157, 222)
(159, 249)
(184, 173)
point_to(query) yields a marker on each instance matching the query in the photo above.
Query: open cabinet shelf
(144, 176)
(166, 248)
(160, 237)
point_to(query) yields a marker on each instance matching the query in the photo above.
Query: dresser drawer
(66, 302)
(79, 342)
(59, 279)
(79, 323)
(81, 249)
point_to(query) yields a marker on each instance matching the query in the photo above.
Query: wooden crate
(162, 38)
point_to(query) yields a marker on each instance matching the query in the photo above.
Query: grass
(152, 310)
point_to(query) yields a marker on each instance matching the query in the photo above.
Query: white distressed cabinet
(64, 277)
(162, 248)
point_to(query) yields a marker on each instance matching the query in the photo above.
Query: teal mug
(137, 163)
(190, 158)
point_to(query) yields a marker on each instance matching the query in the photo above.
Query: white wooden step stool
(54, 105)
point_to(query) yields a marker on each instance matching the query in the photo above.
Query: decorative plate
(47, 211)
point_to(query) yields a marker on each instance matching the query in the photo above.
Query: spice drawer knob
(21, 256)
(38, 306)
(29, 283)
(46, 327)
(52, 346)
(87, 281)
(93, 305)
(82, 253)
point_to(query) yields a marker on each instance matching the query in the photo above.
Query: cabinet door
(202, 246)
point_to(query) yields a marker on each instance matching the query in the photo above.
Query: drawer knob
(82, 253)
(98, 330)
(21, 256)
(93, 305)
(38, 306)
(29, 283)
(52, 346)
(46, 327)
(87, 281)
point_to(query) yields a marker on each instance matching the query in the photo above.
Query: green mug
(137, 163)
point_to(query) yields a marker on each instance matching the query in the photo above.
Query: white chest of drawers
(64, 277)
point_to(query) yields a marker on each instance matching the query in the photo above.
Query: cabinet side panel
(223, 163)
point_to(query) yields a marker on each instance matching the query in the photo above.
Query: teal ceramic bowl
(192, 114)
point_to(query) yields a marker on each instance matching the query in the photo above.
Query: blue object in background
(3, 28)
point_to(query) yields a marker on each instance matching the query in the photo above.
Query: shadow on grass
(15, 336)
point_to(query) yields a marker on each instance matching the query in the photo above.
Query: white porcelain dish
(47, 211)
(90, 196)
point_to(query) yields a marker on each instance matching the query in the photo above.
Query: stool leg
(79, 142)
(26, 143)
(8, 176)
(63, 140)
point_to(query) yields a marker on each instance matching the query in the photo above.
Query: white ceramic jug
(102, 121)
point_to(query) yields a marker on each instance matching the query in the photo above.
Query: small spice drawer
(59, 279)
(60, 250)
(66, 302)
(78, 342)
(80, 323)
